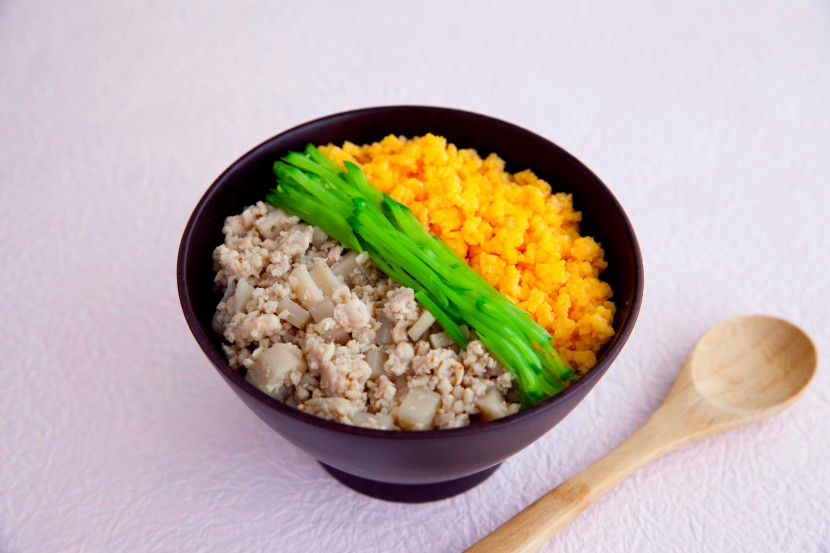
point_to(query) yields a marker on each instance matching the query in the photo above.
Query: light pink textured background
(709, 120)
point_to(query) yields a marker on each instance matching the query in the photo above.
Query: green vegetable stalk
(362, 218)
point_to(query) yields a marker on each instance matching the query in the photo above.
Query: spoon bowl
(753, 364)
(742, 370)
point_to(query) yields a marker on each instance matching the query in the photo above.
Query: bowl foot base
(410, 493)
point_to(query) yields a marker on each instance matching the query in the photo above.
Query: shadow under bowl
(398, 465)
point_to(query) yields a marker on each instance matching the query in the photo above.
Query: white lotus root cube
(376, 357)
(293, 313)
(270, 225)
(421, 325)
(374, 420)
(492, 405)
(384, 333)
(418, 409)
(318, 237)
(440, 340)
(346, 265)
(322, 310)
(326, 280)
(308, 293)
(242, 295)
(276, 368)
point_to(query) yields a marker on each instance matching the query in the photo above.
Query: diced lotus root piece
(418, 409)
(421, 325)
(327, 281)
(271, 224)
(318, 237)
(293, 313)
(242, 295)
(277, 368)
(374, 420)
(322, 310)
(492, 405)
(306, 290)
(376, 357)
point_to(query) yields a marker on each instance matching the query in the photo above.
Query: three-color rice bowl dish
(409, 284)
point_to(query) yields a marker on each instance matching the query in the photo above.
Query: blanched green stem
(363, 218)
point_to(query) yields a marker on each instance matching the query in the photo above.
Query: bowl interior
(249, 179)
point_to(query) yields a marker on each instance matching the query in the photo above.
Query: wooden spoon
(741, 371)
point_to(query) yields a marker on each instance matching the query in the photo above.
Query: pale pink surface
(709, 121)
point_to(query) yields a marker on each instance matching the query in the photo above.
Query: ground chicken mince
(323, 330)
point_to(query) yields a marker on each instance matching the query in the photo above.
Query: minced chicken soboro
(320, 328)
(522, 238)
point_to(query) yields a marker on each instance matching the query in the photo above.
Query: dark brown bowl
(410, 466)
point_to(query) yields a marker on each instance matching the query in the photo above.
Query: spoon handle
(530, 529)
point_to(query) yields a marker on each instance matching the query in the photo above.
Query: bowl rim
(221, 364)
